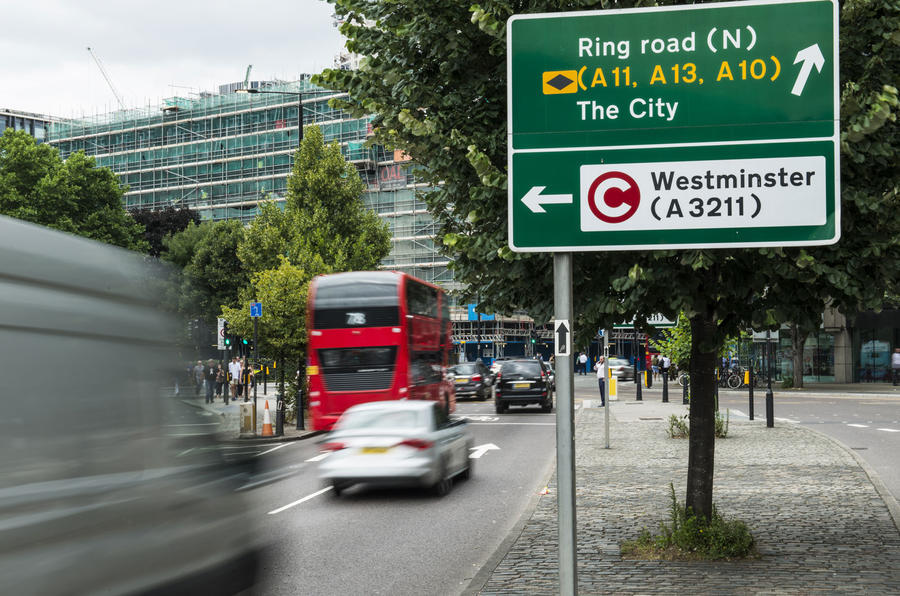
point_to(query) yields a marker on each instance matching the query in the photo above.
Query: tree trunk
(798, 338)
(702, 442)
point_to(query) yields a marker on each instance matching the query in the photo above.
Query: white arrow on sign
(811, 56)
(535, 201)
(477, 452)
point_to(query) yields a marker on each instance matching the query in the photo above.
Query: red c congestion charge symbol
(618, 188)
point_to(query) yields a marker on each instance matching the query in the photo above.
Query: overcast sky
(153, 50)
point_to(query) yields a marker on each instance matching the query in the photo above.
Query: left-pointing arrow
(535, 201)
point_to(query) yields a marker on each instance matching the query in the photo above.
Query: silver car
(396, 443)
(621, 368)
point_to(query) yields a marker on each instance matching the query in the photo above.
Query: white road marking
(196, 424)
(859, 425)
(792, 421)
(319, 457)
(480, 450)
(514, 423)
(298, 501)
(279, 446)
(889, 430)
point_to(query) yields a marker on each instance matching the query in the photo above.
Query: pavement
(229, 415)
(822, 520)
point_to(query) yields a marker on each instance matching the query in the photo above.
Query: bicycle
(683, 378)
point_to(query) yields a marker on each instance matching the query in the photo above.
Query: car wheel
(443, 485)
(548, 406)
(470, 467)
(337, 488)
(501, 408)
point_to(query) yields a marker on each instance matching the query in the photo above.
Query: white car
(396, 443)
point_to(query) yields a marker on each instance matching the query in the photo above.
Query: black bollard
(684, 391)
(665, 386)
(279, 417)
(639, 396)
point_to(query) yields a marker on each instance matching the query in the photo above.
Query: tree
(282, 326)
(163, 222)
(448, 112)
(74, 196)
(212, 275)
(325, 226)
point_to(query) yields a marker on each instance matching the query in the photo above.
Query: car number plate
(521, 385)
(462, 380)
(375, 449)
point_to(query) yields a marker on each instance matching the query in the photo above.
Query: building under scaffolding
(221, 154)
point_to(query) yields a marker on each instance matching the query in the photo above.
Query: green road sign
(708, 125)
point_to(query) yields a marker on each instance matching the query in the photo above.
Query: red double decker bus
(375, 335)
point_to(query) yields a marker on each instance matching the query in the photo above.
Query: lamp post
(279, 414)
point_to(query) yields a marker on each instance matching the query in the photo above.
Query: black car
(522, 382)
(472, 379)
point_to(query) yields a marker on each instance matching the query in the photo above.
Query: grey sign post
(565, 424)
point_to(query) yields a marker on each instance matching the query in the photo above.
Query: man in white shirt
(666, 363)
(234, 369)
(601, 376)
(582, 361)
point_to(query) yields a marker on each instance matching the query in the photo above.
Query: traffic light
(533, 336)
(226, 335)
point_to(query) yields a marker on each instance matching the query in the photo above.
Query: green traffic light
(245, 342)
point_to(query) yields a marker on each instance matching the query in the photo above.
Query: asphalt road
(400, 541)
(868, 424)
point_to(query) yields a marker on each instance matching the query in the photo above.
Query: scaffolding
(223, 154)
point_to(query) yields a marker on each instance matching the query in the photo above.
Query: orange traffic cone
(267, 423)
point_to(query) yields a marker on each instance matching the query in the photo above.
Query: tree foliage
(211, 273)
(434, 75)
(163, 222)
(324, 226)
(74, 196)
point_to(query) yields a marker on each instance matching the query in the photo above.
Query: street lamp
(279, 411)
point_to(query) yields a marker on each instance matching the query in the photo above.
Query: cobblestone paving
(820, 526)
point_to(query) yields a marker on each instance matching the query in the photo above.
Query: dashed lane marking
(273, 448)
(319, 457)
(299, 501)
(889, 430)
(859, 425)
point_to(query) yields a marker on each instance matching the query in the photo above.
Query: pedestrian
(601, 377)
(895, 365)
(198, 378)
(664, 366)
(209, 377)
(245, 379)
(220, 381)
(654, 366)
(583, 361)
(234, 372)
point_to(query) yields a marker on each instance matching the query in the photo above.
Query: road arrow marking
(477, 452)
(535, 201)
(811, 56)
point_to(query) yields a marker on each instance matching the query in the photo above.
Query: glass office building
(223, 153)
(36, 125)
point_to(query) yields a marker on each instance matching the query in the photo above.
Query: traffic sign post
(700, 126)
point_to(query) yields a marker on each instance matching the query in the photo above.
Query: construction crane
(247, 77)
(106, 76)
